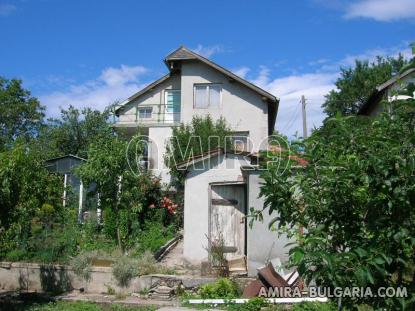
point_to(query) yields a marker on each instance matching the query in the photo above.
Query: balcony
(146, 116)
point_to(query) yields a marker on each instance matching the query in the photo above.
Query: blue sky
(91, 53)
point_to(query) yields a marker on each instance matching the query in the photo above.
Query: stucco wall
(60, 278)
(242, 108)
(153, 98)
(262, 244)
(159, 137)
(410, 78)
(196, 202)
(390, 92)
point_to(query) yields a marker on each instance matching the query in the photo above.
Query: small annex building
(220, 188)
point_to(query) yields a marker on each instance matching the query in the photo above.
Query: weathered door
(227, 218)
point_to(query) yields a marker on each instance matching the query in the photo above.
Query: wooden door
(227, 218)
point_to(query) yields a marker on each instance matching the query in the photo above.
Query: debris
(268, 277)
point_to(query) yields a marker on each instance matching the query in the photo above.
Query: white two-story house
(218, 195)
(193, 86)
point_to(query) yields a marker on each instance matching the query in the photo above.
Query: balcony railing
(146, 119)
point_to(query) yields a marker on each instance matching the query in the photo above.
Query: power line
(291, 121)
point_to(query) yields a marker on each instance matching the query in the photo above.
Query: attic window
(207, 95)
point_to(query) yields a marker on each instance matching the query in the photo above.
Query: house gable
(373, 105)
(182, 59)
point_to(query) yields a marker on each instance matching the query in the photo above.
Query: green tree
(200, 135)
(126, 193)
(26, 186)
(355, 200)
(356, 84)
(73, 132)
(21, 115)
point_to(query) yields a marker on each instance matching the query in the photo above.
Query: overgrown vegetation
(355, 197)
(201, 135)
(222, 288)
(136, 213)
(87, 306)
(356, 84)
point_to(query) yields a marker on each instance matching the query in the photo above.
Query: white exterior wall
(153, 98)
(262, 244)
(196, 202)
(158, 138)
(401, 83)
(271, 245)
(242, 108)
(390, 92)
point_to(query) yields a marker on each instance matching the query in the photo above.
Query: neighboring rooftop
(380, 90)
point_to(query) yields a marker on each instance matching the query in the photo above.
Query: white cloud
(314, 86)
(289, 90)
(113, 84)
(369, 55)
(208, 51)
(382, 10)
(241, 72)
(124, 74)
(263, 77)
(7, 9)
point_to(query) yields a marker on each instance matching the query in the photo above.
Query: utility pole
(304, 117)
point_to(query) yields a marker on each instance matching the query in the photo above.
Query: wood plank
(227, 218)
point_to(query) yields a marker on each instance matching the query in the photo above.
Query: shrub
(314, 306)
(117, 307)
(147, 264)
(81, 264)
(184, 142)
(55, 246)
(355, 199)
(222, 288)
(153, 236)
(254, 304)
(17, 255)
(124, 269)
(66, 306)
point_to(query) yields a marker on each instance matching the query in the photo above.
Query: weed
(222, 288)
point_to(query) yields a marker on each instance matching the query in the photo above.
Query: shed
(65, 166)
(220, 188)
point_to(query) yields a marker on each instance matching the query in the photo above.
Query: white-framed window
(145, 112)
(207, 95)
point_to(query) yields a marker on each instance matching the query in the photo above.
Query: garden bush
(147, 264)
(152, 237)
(355, 199)
(124, 270)
(222, 288)
(254, 304)
(86, 306)
(314, 306)
(82, 263)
